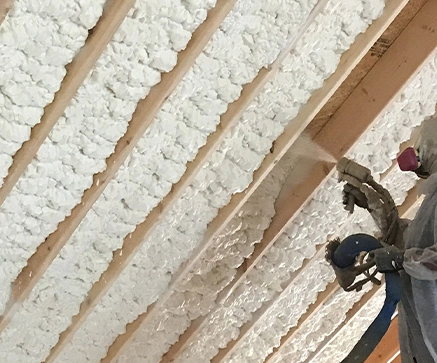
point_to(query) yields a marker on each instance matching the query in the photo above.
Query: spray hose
(344, 256)
(350, 257)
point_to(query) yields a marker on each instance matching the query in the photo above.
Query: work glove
(353, 196)
(388, 259)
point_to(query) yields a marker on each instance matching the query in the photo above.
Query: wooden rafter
(284, 142)
(388, 346)
(143, 116)
(369, 60)
(411, 201)
(113, 14)
(406, 210)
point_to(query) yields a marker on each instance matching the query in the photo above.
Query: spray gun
(352, 257)
(381, 205)
(354, 174)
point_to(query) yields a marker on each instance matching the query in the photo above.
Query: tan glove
(353, 196)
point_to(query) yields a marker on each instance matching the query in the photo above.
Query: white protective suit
(418, 306)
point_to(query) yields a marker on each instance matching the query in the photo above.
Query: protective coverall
(414, 255)
(418, 306)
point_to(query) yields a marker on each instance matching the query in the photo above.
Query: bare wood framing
(376, 52)
(388, 346)
(143, 116)
(113, 14)
(349, 60)
(227, 121)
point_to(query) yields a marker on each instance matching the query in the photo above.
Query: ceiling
(167, 172)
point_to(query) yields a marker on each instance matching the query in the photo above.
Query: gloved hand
(353, 195)
(388, 259)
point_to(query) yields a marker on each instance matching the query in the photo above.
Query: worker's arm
(367, 199)
(421, 263)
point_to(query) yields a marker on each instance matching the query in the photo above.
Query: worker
(416, 258)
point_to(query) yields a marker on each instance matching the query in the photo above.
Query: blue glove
(388, 259)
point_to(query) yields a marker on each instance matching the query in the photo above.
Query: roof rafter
(369, 60)
(388, 346)
(282, 145)
(113, 15)
(408, 207)
(143, 116)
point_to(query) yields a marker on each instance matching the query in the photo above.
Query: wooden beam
(5, 7)
(143, 116)
(349, 60)
(113, 14)
(388, 346)
(369, 60)
(227, 121)
(374, 94)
